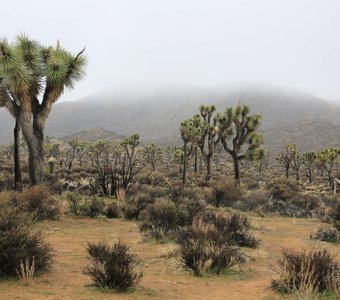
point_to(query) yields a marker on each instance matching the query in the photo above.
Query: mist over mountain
(289, 115)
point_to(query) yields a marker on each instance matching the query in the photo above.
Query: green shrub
(327, 234)
(133, 206)
(76, 201)
(92, 207)
(18, 242)
(112, 266)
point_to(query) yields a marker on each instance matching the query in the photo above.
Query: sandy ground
(163, 278)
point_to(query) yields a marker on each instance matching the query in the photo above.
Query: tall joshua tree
(237, 131)
(187, 130)
(308, 159)
(286, 157)
(209, 136)
(32, 79)
(327, 158)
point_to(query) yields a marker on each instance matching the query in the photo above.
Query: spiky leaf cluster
(238, 127)
(29, 70)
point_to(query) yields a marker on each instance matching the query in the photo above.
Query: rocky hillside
(288, 115)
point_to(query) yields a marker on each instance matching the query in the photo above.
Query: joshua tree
(32, 79)
(286, 156)
(73, 143)
(190, 135)
(178, 157)
(237, 125)
(17, 169)
(297, 161)
(308, 159)
(8, 151)
(129, 165)
(259, 157)
(208, 134)
(80, 151)
(153, 154)
(327, 158)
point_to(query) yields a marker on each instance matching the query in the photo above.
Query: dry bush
(112, 266)
(162, 219)
(283, 189)
(39, 201)
(19, 242)
(253, 200)
(132, 206)
(202, 250)
(232, 228)
(307, 271)
(113, 210)
(92, 207)
(154, 178)
(225, 193)
(327, 234)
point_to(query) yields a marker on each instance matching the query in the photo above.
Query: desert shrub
(152, 178)
(327, 234)
(192, 206)
(162, 219)
(335, 217)
(18, 242)
(113, 210)
(252, 200)
(283, 189)
(56, 187)
(6, 182)
(133, 205)
(83, 175)
(39, 201)
(314, 270)
(92, 207)
(112, 266)
(177, 192)
(154, 192)
(202, 250)
(251, 183)
(336, 213)
(76, 202)
(232, 228)
(225, 193)
(308, 202)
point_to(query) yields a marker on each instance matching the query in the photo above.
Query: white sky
(292, 43)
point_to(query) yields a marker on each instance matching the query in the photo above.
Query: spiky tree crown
(239, 123)
(28, 70)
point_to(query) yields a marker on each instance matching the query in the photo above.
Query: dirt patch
(163, 278)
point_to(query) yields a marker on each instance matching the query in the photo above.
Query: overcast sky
(293, 43)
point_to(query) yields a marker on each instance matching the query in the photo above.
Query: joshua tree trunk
(195, 161)
(184, 175)
(287, 172)
(17, 170)
(208, 176)
(237, 169)
(310, 175)
(34, 138)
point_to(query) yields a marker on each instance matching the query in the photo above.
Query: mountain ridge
(155, 114)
